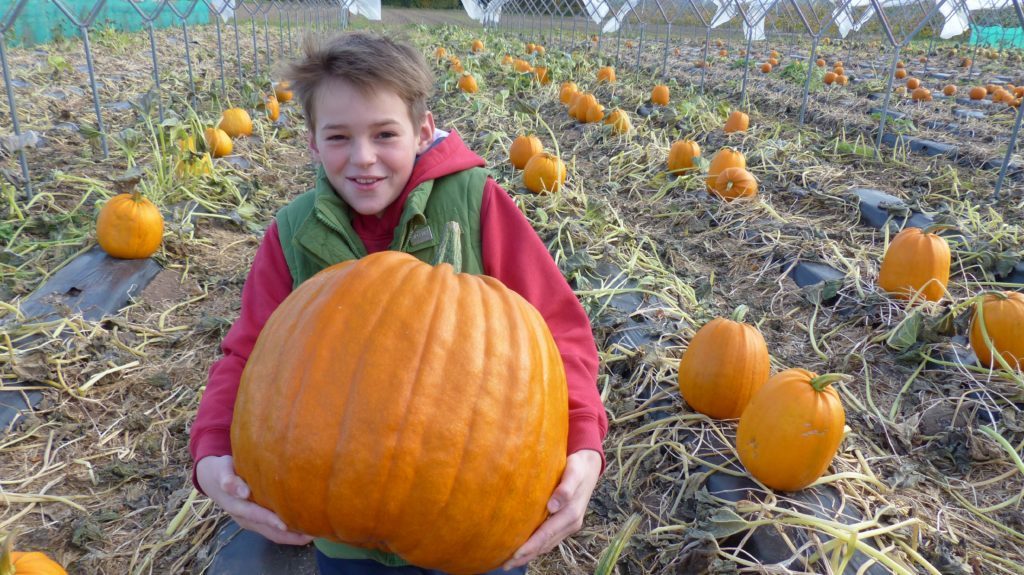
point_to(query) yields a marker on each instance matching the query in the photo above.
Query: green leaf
(724, 522)
(905, 334)
(610, 556)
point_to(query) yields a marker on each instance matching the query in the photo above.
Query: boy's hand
(216, 475)
(567, 506)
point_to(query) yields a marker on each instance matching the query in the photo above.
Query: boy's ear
(313, 150)
(426, 132)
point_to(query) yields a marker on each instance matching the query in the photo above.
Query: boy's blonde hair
(367, 61)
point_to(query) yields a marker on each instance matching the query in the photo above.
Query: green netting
(41, 21)
(997, 36)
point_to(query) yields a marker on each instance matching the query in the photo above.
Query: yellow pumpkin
(236, 122)
(218, 142)
(477, 46)
(524, 148)
(681, 155)
(544, 173)
(129, 227)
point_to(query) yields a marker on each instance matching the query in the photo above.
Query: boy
(365, 98)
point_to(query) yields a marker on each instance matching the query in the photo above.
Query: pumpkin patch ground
(927, 477)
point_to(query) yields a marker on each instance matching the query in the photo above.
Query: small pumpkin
(737, 122)
(839, 70)
(916, 261)
(507, 60)
(900, 64)
(529, 47)
(660, 95)
(541, 73)
(129, 227)
(544, 173)
(606, 74)
(477, 46)
(774, 54)
(236, 122)
(467, 83)
(773, 61)
(725, 364)
(913, 83)
(522, 66)
(283, 92)
(681, 156)
(1003, 317)
(273, 108)
(900, 73)
(766, 68)
(218, 142)
(966, 63)
(26, 562)
(820, 62)
(566, 92)
(978, 93)
(723, 159)
(842, 80)
(949, 90)
(734, 183)
(830, 77)
(921, 95)
(619, 121)
(538, 49)
(523, 148)
(593, 112)
(723, 53)
(439, 53)
(791, 429)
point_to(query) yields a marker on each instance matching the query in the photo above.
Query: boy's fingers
(255, 514)
(234, 486)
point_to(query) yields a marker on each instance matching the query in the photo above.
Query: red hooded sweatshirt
(512, 253)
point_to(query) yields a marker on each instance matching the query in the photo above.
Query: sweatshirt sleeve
(515, 254)
(268, 284)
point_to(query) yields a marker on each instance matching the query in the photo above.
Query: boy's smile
(367, 143)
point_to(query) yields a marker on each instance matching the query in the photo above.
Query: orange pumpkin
(921, 95)
(916, 261)
(830, 77)
(619, 121)
(1003, 315)
(737, 122)
(218, 142)
(566, 92)
(541, 73)
(723, 159)
(273, 108)
(791, 429)
(236, 122)
(913, 83)
(820, 63)
(842, 80)
(467, 83)
(440, 52)
(26, 562)
(725, 363)
(978, 93)
(448, 435)
(734, 183)
(477, 46)
(901, 74)
(524, 148)
(773, 61)
(606, 74)
(522, 66)
(766, 68)
(949, 90)
(283, 92)
(681, 155)
(544, 173)
(129, 227)
(660, 95)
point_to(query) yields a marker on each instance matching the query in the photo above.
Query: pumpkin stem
(740, 313)
(819, 383)
(6, 565)
(449, 251)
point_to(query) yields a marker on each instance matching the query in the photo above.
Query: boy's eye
(388, 135)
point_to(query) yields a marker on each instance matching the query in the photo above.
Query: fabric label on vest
(420, 238)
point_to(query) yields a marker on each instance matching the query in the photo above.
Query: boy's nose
(363, 154)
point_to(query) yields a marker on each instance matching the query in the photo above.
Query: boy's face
(366, 143)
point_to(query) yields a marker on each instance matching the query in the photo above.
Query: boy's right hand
(216, 476)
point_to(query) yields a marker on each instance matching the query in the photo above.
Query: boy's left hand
(567, 506)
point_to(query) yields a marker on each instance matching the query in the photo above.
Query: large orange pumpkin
(725, 363)
(724, 158)
(399, 406)
(681, 155)
(660, 95)
(791, 429)
(523, 148)
(129, 227)
(916, 261)
(544, 173)
(1003, 315)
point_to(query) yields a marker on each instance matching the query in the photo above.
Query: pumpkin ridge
(393, 510)
(345, 418)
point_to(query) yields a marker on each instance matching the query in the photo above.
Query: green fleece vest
(316, 228)
(316, 232)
